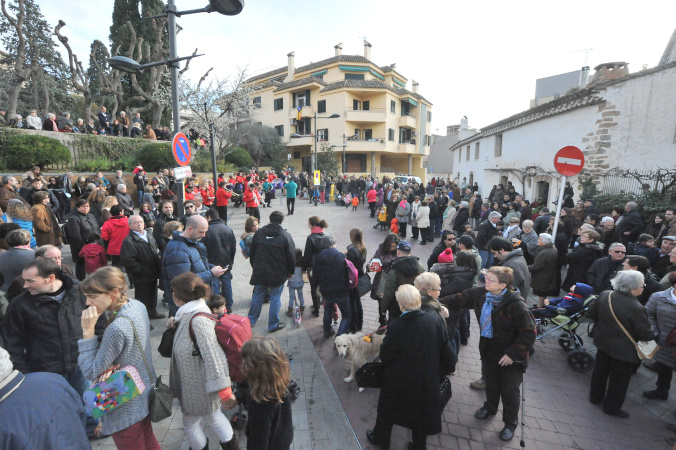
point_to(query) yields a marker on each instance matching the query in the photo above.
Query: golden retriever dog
(357, 351)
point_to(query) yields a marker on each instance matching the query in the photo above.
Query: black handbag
(371, 374)
(363, 285)
(445, 393)
(167, 342)
(160, 399)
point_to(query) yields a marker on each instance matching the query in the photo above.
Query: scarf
(316, 230)
(509, 228)
(189, 308)
(486, 321)
(403, 203)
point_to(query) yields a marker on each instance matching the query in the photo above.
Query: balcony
(371, 145)
(369, 115)
(408, 121)
(302, 140)
(407, 147)
(307, 111)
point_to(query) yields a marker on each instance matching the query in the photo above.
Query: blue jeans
(293, 292)
(257, 304)
(225, 281)
(140, 198)
(486, 259)
(77, 381)
(437, 226)
(344, 306)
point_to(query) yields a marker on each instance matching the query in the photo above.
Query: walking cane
(523, 409)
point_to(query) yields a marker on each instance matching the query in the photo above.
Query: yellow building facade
(362, 110)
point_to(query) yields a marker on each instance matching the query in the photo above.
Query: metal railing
(379, 110)
(617, 181)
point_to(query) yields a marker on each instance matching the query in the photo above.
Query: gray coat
(517, 262)
(545, 272)
(196, 380)
(403, 214)
(118, 347)
(661, 311)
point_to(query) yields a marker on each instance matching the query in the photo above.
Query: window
(357, 133)
(393, 106)
(429, 116)
(404, 136)
(296, 155)
(321, 106)
(257, 102)
(405, 105)
(356, 104)
(476, 151)
(323, 134)
(279, 104)
(368, 134)
(467, 154)
(354, 76)
(459, 154)
(304, 126)
(367, 105)
(498, 145)
(427, 139)
(280, 130)
(390, 134)
(301, 99)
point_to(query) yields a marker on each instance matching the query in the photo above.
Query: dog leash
(380, 330)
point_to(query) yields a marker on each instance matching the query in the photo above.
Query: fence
(618, 181)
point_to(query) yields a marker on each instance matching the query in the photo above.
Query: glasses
(491, 280)
(619, 251)
(56, 258)
(189, 207)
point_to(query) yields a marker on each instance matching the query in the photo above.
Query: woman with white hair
(545, 274)
(616, 358)
(416, 352)
(50, 123)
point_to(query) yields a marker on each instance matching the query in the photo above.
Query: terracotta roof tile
(300, 82)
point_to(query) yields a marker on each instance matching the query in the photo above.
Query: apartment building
(361, 109)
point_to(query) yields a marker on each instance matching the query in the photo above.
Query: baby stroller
(579, 359)
(239, 420)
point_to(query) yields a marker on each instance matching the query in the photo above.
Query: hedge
(25, 150)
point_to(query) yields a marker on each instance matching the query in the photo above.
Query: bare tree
(18, 70)
(223, 103)
(78, 75)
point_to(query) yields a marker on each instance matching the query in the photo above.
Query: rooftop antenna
(586, 53)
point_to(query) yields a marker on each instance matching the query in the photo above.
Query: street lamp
(332, 116)
(128, 65)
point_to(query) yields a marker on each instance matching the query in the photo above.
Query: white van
(405, 179)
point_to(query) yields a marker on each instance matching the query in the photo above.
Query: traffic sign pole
(568, 161)
(558, 207)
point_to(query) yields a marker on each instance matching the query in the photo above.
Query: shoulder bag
(160, 399)
(167, 343)
(645, 349)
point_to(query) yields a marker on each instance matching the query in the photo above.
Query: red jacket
(371, 196)
(94, 256)
(207, 195)
(114, 231)
(222, 197)
(252, 198)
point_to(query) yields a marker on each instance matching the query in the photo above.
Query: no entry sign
(180, 147)
(569, 161)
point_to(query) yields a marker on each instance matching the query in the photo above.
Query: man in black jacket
(165, 215)
(79, 225)
(42, 326)
(38, 186)
(329, 274)
(404, 269)
(273, 260)
(221, 248)
(631, 225)
(140, 258)
(603, 269)
(542, 221)
(487, 230)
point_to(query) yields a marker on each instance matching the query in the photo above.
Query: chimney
(367, 50)
(292, 69)
(609, 71)
(584, 77)
(415, 86)
(339, 49)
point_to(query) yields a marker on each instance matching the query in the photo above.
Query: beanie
(446, 256)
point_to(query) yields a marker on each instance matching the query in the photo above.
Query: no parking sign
(180, 147)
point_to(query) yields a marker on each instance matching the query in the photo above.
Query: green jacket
(291, 188)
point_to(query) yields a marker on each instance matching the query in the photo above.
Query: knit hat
(583, 290)
(404, 246)
(446, 256)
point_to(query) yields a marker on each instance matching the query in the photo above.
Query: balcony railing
(307, 111)
(305, 139)
(367, 145)
(407, 121)
(365, 115)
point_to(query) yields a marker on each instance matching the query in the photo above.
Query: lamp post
(225, 7)
(332, 116)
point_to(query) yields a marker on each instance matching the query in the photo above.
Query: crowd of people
(490, 254)
(105, 125)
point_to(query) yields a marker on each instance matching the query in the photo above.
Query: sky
(480, 59)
